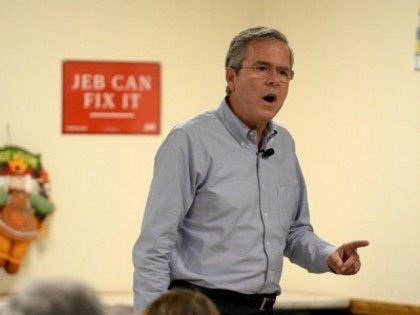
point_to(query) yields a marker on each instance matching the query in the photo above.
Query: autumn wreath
(24, 203)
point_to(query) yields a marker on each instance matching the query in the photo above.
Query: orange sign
(111, 97)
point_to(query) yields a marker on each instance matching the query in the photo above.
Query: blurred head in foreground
(182, 302)
(54, 297)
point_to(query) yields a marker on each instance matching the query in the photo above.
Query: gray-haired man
(228, 199)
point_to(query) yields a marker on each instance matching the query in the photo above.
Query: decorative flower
(18, 165)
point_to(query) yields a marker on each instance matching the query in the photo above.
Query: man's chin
(269, 112)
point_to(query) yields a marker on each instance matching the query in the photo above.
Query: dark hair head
(182, 302)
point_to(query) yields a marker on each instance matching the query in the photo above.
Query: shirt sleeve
(303, 246)
(170, 196)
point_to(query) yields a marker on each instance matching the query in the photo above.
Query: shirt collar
(241, 132)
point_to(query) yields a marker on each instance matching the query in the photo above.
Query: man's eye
(284, 73)
(261, 68)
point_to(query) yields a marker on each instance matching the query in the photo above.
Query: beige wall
(353, 109)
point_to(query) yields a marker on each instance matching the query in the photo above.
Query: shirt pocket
(287, 200)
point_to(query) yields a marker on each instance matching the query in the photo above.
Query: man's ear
(230, 78)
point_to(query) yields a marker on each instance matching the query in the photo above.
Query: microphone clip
(266, 153)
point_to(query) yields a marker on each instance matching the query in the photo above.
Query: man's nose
(273, 78)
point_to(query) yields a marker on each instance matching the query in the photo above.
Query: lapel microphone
(266, 153)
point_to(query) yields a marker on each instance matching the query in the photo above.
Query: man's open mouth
(270, 98)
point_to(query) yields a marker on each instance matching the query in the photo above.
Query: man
(228, 198)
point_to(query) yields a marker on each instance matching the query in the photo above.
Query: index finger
(356, 244)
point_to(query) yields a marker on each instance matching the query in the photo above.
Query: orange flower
(17, 165)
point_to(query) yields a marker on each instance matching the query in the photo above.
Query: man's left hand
(345, 260)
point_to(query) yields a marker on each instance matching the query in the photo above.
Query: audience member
(182, 302)
(62, 297)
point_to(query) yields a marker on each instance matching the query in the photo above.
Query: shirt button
(265, 214)
(243, 145)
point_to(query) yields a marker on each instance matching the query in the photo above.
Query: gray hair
(54, 297)
(239, 43)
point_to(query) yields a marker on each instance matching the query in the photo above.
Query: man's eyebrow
(262, 62)
(266, 63)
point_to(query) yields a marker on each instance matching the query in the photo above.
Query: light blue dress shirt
(220, 215)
